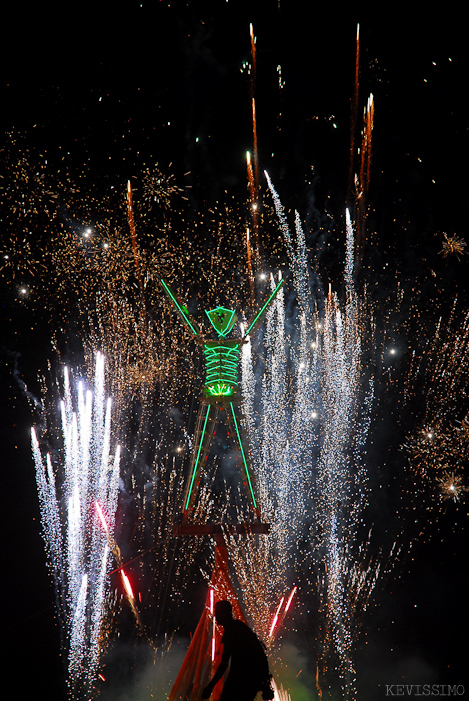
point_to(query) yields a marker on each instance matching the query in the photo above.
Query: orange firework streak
(358, 184)
(248, 241)
(318, 687)
(253, 174)
(255, 151)
(252, 190)
(200, 662)
(353, 121)
(250, 275)
(365, 172)
(370, 115)
(253, 106)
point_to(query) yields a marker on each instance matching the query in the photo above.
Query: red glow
(101, 516)
(290, 598)
(127, 586)
(212, 599)
(274, 622)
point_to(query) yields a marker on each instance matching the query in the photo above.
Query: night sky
(109, 91)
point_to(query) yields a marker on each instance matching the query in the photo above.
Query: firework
(275, 619)
(78, 551)
(253, 167)
(451, 486)
(159, 189)
(111, 266)
(437, 449)
(306, 412)
(280, 694)
(307, 403)
(453, 245)
(308, 445)
(353, 115)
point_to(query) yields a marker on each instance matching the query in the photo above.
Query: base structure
(204, 655)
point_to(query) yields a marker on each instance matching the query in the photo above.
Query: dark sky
(117, 89)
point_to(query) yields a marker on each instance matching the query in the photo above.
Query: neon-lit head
(222, 319)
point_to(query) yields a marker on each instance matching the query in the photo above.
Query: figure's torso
(221, 365)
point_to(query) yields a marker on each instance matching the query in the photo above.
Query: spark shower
(72, 502)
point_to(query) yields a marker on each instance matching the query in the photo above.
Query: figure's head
(222, 320)
(223, 612)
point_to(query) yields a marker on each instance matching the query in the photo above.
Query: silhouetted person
(249, 668)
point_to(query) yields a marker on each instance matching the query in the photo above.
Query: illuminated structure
(203, 654)
(220, 388)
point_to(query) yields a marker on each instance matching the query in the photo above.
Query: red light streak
(127, 586)
(101, 516)
(212, 597)
(274, 622)
(290, 598)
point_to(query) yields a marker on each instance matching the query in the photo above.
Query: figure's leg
(206, 419)
(237, 438)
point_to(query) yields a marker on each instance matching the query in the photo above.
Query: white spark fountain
(308, 447)
(77, 545)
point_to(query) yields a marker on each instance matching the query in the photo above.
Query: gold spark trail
(253, 171)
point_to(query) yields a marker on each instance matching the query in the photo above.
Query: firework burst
(453, 245)
(159, 189)
(451, 486)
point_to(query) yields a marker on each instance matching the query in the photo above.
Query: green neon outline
(220, 389)
(184, 315)
(194, 472)
(243, 456)
(261, 311)
(216, 324)
(221, 363)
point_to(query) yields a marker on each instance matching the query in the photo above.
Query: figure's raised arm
(260, 314)
(181, 309)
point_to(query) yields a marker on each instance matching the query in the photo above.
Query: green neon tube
(194, 472)
(243, 456)
(178, 307)
(261, 311)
